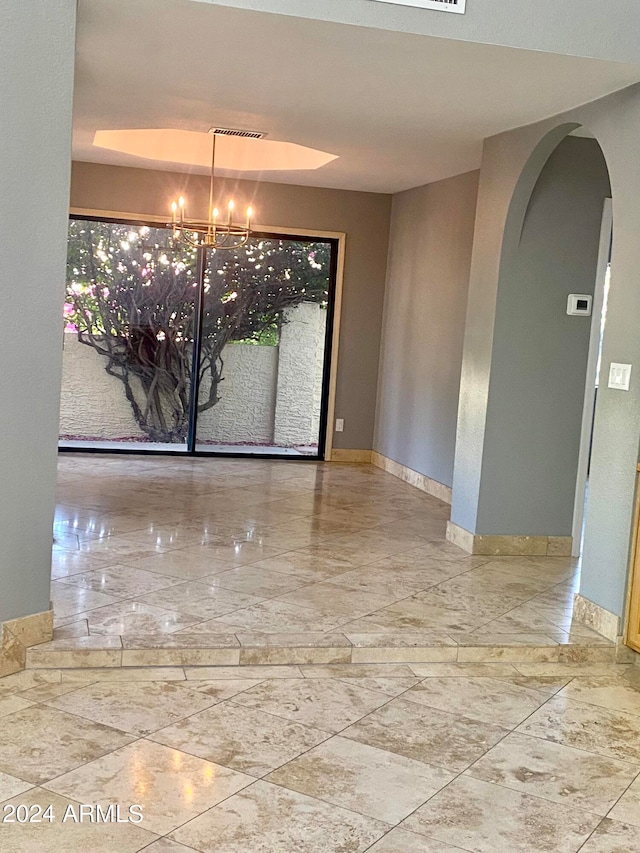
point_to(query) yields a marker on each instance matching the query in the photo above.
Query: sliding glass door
(128, 330)
(141, 310)
(263, 346)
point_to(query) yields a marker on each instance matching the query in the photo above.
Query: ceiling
(397, 110)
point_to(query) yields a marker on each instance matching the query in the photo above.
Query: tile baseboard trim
(459, 536)
(483, 545)
(17, 635)
(588, 613)
(358, 457)
(413, 478)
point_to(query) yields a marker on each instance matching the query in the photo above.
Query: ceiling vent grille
(230, 131)
(457, 6)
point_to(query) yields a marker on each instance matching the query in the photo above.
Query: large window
(178, 349)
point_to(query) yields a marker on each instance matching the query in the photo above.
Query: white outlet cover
(619, 376)
(579, 304)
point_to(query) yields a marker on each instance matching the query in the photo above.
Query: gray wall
(575, 27)
(536, 394)
(511, 164)
(36, 87)
(363, 216)
(423, 328)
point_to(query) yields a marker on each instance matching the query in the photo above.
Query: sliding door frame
(337, 239)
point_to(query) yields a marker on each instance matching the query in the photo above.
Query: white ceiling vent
(457, 6)
(230, 131)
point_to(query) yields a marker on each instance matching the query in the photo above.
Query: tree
(131, 295)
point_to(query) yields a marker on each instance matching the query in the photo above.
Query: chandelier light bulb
(232, 204)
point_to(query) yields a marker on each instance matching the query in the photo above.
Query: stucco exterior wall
(268, 394)
(247, 397)
(299, 394)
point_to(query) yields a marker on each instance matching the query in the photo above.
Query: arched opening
(541, 397)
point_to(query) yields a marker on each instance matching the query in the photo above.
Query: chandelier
(215, 232)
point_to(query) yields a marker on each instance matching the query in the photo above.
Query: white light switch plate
(619, 376)
(339, 424)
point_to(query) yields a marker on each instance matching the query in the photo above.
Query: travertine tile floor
(431, 703)
(386, 758)
(184, 561)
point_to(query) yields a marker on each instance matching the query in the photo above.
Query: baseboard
(588, 613)
(414, 478)
(17, 635)
(359, 457)
(459, 536)
(509, 546)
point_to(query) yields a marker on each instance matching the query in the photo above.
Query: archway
(540, 353)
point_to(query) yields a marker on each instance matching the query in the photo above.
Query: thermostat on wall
(579, 305)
